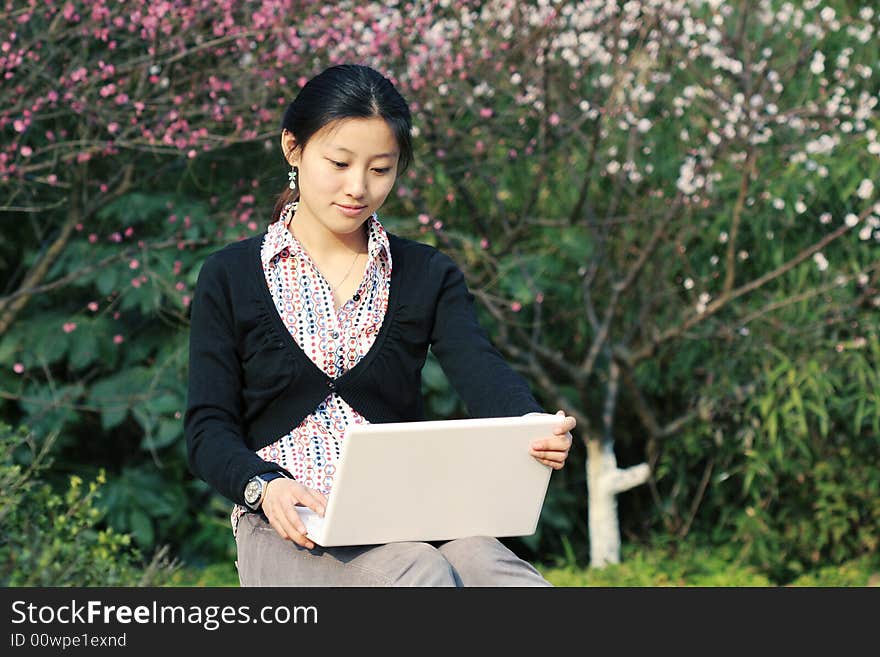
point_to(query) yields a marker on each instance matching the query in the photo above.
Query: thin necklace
(334, 288)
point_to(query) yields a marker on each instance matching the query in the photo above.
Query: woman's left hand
(553, 451)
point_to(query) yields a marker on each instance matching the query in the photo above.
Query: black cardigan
(250, 383)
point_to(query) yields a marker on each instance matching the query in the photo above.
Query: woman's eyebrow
(343, 148)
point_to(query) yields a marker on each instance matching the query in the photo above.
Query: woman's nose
(355, 185)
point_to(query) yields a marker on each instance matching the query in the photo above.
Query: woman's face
(346, 171)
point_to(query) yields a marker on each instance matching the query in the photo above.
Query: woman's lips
(349, 210)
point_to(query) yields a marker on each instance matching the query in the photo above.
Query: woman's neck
(322, 244)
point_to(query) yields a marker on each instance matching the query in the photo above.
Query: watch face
(252, 492)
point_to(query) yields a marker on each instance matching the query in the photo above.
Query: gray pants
(265, 559)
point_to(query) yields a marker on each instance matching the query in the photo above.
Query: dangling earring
(292, 176)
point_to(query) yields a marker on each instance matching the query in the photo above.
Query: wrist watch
(255, 490)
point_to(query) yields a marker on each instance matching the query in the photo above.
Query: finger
(546, 455)
(552, 464)
(569, 424)
(297, 529)
(552, 444)
(284, 518)
(316, 501)
(279, 529)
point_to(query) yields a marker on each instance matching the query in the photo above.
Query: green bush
(692, 564)
(56, 539)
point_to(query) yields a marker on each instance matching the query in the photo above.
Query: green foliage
(661, 563)
(812, 494)
(58, 538)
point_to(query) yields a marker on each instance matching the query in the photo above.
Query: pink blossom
(26, 151)
(486, 112)
(185, 300)
(135, 282)
(18, 368)
(116, 315)
(180, 287)
(539, 298)
(93, 306)
(113, 127)
(554, 119)
(129, 231)
(424, 219)
(134, 264)
(516, 306)
(438, 225)
(118, 339)
(19, 125)
(79, 228)
(93, 238)
(69, 327)
(52, 179)
(484, 243)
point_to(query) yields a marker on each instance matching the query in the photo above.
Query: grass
(640, 567)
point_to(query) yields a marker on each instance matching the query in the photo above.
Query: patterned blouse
(334, 340)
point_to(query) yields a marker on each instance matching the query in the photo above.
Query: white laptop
(435, 480)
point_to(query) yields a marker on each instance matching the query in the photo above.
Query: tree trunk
(604, 481)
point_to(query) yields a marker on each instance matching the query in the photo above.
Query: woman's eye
(338, 165)
(383, 170)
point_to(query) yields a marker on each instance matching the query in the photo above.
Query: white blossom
(851, 220)
(821, 261)
(866, 189)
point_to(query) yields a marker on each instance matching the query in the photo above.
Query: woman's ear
(289, 147)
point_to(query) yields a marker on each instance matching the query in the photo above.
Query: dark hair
(346, 91)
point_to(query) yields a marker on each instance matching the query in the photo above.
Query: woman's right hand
(279, 505)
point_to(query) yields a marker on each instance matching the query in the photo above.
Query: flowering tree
(644, 196)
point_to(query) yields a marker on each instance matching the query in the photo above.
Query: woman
(325, 321)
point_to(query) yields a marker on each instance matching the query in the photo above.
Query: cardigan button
(334, 335)
(357, 297)
(331, 384)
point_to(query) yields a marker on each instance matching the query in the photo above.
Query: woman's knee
(421, 564)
